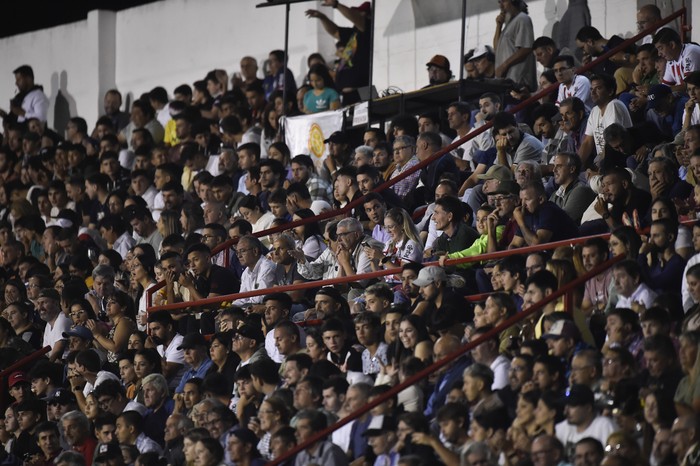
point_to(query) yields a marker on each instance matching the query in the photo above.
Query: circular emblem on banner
(316, 144)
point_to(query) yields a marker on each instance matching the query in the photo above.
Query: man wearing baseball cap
(582, 420)
(484, 60)
(439, 71)
(196, 358)
(666, 109)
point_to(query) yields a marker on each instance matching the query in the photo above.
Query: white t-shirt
(580, 87)
(500, 367)
(600, 429)
(174, 355)
(54, 334)
(678, 70)
(615, 112)
(642, 295)
(101, 377)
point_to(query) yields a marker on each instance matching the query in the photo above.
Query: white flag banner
(305, 134)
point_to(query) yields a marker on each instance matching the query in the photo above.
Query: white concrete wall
(177, 41)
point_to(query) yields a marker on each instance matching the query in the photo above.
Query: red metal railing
(351, 205)
(449, 358)
(18, 365)
(370, 275)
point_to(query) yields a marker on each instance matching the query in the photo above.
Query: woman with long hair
(308, 235)
(115, 339)
(80, 311)
(549, 411)
(272, 416)
(322, 95)
(146, 361)
(413, 340)
(270, 132)
(280, 151)
(315, 347)
(169, 223)
(143, 274)
(404, 244)
(191, 218)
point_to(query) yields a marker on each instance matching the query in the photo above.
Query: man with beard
(597, 289)
(340, 153)
(303, 172)
(272, 173)
(443, 309)
(663, 265)
(166, 340)
(30, 100)
(368, 178)
(619, 199)
(409, 273)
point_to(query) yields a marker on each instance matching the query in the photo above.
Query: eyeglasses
(560, 70)
(499, 199)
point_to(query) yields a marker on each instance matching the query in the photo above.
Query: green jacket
(479, 246)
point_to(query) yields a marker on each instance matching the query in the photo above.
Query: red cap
(17, 377)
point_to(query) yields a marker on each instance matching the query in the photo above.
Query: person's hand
(492, 220)
(657, 187)
(601, 206)
(171, 277)
(528, 386)
(519, 214)
(501, 143)
(501, 71)
(95, 327)
(186, 280)
(314, 14)
(179, 403)
(442, 259)
(690, 105)
(427, 252)
(420, 438)
(298, 255)
(374, 255)
(149, 343)
(256, 309)
(254, 425)
(586, 59)
(640, 154)
(343, 255)
(500, 19)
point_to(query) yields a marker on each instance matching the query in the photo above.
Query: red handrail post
(569, 302)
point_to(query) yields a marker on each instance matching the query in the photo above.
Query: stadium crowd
(93, 220)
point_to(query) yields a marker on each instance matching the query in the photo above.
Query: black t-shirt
(353, 69)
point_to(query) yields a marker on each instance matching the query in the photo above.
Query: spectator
(512, 42)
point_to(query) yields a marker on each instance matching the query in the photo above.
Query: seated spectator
(572, 196)
(582, 420)
(539, 220)
(681, 58)
(439, 71)
(570, 83)
(484, 61)
(513, 146)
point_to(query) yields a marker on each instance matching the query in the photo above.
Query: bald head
(445, 345)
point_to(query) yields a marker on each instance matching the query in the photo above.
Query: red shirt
(87, 449)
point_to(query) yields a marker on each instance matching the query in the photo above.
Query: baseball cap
(379, 425)
(365, 7)
(251, 332)
(561, 329)
(192, 340)
(61, 396)
(507, 187)
(579, 395)
(440, 61)
(430, 274)
(480, 51)
(78, 331)
(655, 94)
(337, 137)
(108, 451)
(497, 172)
(17, 377)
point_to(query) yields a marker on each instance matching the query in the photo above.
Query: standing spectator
(352, 71)
(30, 100)
(513, 44)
